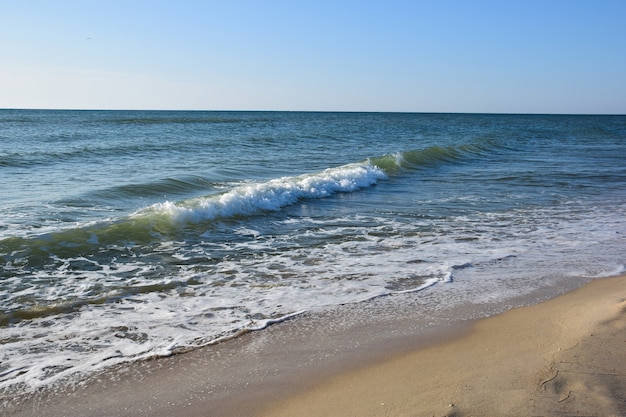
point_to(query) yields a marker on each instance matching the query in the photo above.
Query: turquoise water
(131, 234)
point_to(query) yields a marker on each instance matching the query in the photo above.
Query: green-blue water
(128, 234)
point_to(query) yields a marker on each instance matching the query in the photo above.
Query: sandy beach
(562, 357)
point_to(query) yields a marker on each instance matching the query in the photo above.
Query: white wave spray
(272, 195)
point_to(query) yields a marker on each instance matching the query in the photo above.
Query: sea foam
(272, 195)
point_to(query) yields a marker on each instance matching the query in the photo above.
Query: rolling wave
(163, 119)
(250, 199)
(44, 157)
(166, 186)
(166, 221)
(68, 305)
(439, 155)
(162, 220)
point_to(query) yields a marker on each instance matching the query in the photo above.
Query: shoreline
(340, 358)
(565, 356)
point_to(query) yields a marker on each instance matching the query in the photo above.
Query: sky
(503, 56)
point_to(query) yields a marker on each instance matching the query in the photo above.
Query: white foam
(272, 195)
(477, 258)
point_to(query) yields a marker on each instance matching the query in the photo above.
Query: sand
(563, 357)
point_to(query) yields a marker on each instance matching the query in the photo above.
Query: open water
(132, 234)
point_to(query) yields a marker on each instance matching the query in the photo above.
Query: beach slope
(563, 357)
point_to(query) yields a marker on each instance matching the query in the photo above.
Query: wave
(66, 306)
(165, 221)
(161, 220)
(82, 152)
(250, 199)
(170, 220)
(12, 161)
(166, 186)
(419, 159)
(154, 120)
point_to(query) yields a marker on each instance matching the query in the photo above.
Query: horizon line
(312, 111)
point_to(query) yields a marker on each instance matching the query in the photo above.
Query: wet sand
(562, 357)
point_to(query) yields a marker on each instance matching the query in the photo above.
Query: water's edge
(247, 371)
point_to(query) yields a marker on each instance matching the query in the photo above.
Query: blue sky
(501, 56)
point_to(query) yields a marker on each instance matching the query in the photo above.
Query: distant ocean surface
(132, 234)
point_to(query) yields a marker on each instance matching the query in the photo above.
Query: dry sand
(563, 357)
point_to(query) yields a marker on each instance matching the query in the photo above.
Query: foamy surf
(250, 199)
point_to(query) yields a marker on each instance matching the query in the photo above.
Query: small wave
(437, 155)
(272, 195)
(162, 221)
(114, 294)
(166, 186)
(12, 161)
(151, 120)
(84, 152)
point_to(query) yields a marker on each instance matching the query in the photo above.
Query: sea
(127, 235)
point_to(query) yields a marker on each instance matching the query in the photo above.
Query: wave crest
(250, 199)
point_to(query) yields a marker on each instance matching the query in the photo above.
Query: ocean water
(132, 234)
